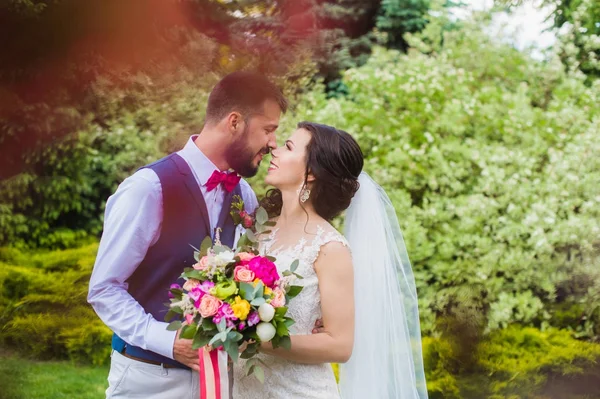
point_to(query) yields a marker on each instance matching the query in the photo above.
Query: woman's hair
(335, 159)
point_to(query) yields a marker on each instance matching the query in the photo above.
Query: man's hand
(319, 327)
(184, 354)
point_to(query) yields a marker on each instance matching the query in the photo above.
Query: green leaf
(262, 216)
(282, 329)
(232, 349)
(251, 350)
(259, 290)
(261, 229)
(234, 336)
(294, 290)
(294, 265)
(259, 373)
(200, 340)
(205, 246)
(258, 301)
(208, 325)
(251, 236)
(289, 322)
(270, 224)
(174, 325)
(188, 331)
(195, 274)
(247, 291)
(280, 312)
(177, 293)
(221, 326)
(170, 315)
(285, 342)
(176, 309)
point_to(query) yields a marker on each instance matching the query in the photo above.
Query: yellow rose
(241, 308)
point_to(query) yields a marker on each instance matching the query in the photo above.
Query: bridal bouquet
(234, 296)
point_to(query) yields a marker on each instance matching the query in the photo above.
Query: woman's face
(288, 163)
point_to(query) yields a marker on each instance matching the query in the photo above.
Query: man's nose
(272, 143)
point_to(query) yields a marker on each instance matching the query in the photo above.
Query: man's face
(256, 140)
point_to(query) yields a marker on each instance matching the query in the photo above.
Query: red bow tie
(229, 180)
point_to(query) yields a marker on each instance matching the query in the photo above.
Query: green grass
(31, 379)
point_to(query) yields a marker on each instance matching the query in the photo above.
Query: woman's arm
(336, 285)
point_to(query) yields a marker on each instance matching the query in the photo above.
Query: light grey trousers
(130, 378)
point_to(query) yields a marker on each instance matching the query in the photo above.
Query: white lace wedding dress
(284, 378)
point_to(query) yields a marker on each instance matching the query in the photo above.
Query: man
(152, 219)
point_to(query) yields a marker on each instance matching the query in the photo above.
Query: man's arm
(132, 224)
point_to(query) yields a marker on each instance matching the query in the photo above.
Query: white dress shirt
(132, 224)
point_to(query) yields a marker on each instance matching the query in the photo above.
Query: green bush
(519, 361)
(44, 310)
(513, 363)
(492, 163)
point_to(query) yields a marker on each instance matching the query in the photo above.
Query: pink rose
(209, 305)
(202, 264)
(278, 298)
(265, 270)
(189, 318)
(245, 257)
(243, 274)
(190, 284)
(247, 222)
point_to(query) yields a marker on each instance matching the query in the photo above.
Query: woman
(362, 289)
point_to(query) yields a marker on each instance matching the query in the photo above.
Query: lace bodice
(283, 378)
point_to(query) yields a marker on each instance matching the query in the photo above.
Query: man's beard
(239, 156)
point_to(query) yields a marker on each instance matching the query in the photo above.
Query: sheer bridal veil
(386, 361)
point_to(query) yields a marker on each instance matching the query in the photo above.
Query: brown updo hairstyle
(335, 159)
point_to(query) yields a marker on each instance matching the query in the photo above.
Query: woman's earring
(305, 195)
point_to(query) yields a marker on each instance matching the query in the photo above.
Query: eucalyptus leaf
(262, 216)
(258, 301)
(251, 236)
(294, 265)
(232, 349)
(174, 325)
(259, 373)
(247, 291)
(205, 246)
(234, 336)
(221, 325)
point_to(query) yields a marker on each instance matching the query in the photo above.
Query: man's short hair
(244, 92)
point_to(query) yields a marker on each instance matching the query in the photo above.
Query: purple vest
(185, 222)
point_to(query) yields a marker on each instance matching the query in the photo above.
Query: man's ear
(235, 122)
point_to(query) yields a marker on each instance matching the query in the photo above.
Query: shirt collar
(202, 167)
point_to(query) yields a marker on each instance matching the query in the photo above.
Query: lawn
(31, 379)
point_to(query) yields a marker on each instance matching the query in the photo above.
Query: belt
(165, 365)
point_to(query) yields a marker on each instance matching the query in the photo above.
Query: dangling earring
(305, 195)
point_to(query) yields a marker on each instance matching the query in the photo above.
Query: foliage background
(490, 156)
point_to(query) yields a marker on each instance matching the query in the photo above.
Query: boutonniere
(256, 223)
(239, 214)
